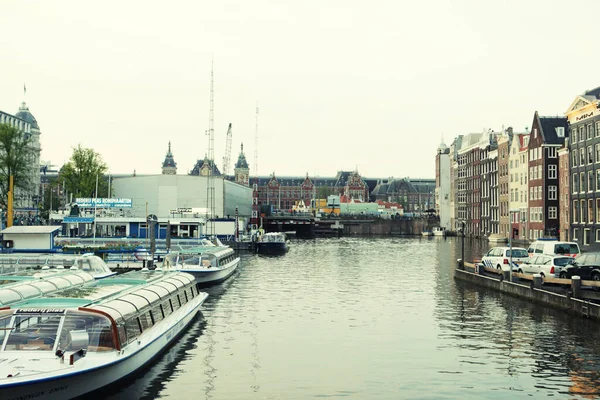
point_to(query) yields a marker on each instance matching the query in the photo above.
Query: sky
(340, 85)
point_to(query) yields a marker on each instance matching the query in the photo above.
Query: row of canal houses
(540, 183)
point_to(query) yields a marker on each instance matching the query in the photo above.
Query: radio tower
(210, 186)
(255, 207)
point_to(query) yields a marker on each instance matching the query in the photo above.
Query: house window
(552, 212)
(574, 135)
(574, 156)
(582, 156)
(586, 236)
(598, 153)
(597, 209)
(597, 235)
(588, 131)
(581, 134)
(551, 152)
(575, 234)
(590, 155)
(575, 211)
(552, 192)
(590, 181)
(590, 211)
(551, 171)
(582, 211)
(576, 182)
(582, 182)
(597, 129)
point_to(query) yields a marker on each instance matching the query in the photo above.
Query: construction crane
(227, 156)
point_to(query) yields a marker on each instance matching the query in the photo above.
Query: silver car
(545, 265)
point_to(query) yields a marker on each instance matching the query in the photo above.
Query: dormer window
(535, 133)
(560, 131)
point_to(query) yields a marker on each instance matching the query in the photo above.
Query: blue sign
(101, 202)
(82, 220)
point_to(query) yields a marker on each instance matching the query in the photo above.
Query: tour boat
(19, 263)
(272, 243)
(79, 340)
(209, 264)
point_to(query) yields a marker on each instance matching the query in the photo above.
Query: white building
(24, 121)
(161, 194)
(443, 177)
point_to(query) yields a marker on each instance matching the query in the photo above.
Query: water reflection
(376, 319)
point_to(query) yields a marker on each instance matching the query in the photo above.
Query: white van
(554, 248)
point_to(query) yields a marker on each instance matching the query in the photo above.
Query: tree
(16, 159)
(79, 174)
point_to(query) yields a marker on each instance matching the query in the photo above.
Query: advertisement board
(101, 202)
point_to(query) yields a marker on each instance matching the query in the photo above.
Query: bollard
(576, 286)
(460, 264)
(480, 268)
(537, 281)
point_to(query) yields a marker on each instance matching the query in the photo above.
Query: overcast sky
(341, 85)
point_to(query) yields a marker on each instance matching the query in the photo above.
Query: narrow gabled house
(584, 149)
(517, 185)
(547, 136)
(564, 193)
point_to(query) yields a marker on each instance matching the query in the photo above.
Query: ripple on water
(376, 319)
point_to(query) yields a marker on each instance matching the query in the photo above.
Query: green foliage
(324, 191)
(16, 159)
(80, 172)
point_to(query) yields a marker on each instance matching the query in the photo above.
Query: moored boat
(427, 233)
(208, 264)
(19, 263)
(438, 231)
(272, 243)
(76, 341)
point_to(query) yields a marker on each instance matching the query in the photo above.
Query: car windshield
(566, 248)
(517, 253)
(562, 261)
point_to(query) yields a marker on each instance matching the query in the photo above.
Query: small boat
(439, 231)
(208, 264)
(76, 341)
(272, 243)
(427, 233)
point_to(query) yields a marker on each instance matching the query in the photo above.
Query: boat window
(192, 291)
(5, 318)
(122, 334)
(98, 266)
(145, 321)
(132, 326)
(186, 296)
(175, 304)
(166, 308)
(33, 332)
(82, 330)
(209, 260)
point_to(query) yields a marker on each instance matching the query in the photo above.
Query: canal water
(372, 319)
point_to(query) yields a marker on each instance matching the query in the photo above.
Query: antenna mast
(210, 187)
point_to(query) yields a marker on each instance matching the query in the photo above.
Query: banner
(101, 202)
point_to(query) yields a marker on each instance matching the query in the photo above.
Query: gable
(578, 103)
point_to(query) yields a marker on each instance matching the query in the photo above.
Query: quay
(570, 295)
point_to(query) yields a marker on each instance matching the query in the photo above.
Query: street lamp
(510, 265)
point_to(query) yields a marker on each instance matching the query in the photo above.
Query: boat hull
(273, 248)
(81, 381)
(212, 276)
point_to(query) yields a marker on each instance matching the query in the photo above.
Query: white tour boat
(18, 263)
(209, 264)
(77, 341)
(439, 231)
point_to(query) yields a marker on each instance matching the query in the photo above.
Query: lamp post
(511, 212)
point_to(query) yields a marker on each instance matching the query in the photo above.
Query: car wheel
(520, 271)
(596, 278)
(498, 266)
(563, 275)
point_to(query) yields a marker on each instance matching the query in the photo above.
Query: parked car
(545, 265)
(553, 247)
(587, 266)
(499, 257)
